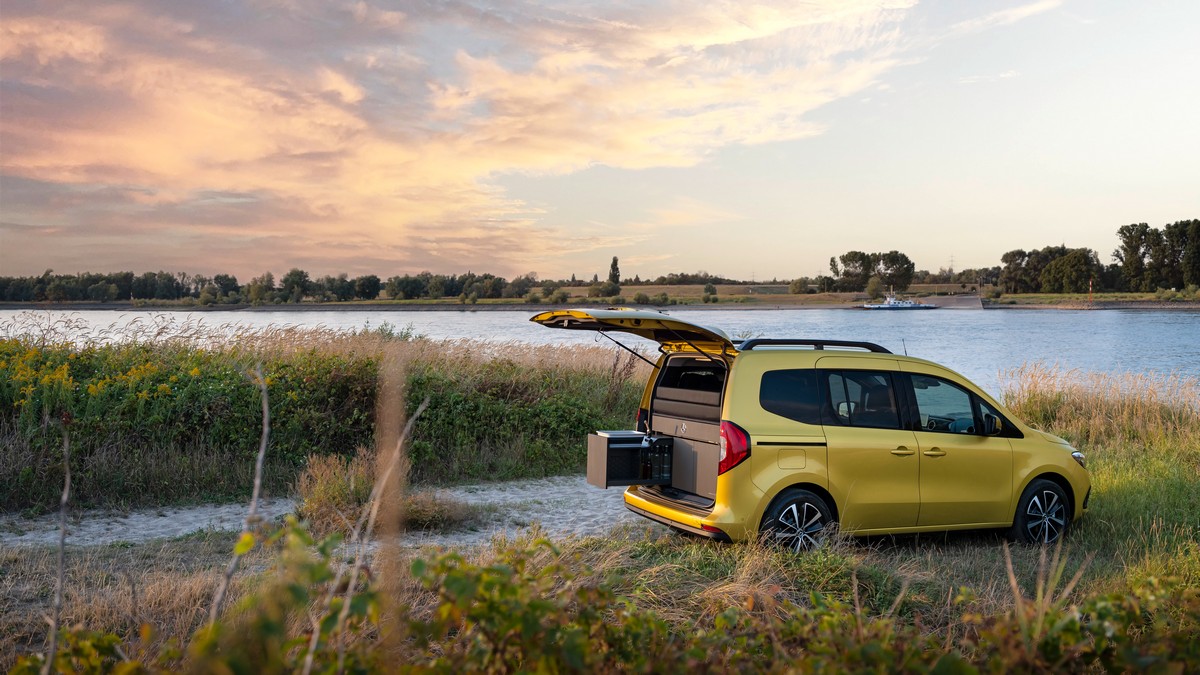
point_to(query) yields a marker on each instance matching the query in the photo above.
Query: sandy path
(562, 505)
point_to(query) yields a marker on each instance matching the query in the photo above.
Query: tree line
(1146, 259)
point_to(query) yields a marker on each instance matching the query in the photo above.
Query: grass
(155, 410)
(119, 588)
(333, 489)
(1108, 298)
(857, 602)
(1141, 434)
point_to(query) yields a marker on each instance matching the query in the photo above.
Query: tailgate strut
(703, 353)
(631, 351)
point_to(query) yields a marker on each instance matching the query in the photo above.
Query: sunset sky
(750, 140)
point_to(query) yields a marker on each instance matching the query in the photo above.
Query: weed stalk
(246, 541)
(56, 616)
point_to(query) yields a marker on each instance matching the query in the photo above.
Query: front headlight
(1078, 457)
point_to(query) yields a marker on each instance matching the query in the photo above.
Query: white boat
(890, 302)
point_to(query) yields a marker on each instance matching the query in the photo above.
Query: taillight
(640, 422)
(735, 446)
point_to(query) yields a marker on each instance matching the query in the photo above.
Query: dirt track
(562, 505)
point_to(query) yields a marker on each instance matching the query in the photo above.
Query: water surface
(981, 344)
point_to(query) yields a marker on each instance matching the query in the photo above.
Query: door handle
(934, 452)
(902, 451)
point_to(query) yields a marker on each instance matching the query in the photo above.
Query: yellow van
(782, 438)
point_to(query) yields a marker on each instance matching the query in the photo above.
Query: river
(981, 344)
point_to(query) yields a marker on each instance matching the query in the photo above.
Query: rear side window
(861, 399)
(791, 394)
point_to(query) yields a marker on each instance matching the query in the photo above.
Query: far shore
(501, 307)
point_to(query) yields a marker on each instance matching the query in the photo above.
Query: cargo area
(676, 458)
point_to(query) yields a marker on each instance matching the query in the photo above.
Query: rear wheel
(1042, 514)
(796, 520)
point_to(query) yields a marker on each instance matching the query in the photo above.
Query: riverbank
(947, 302)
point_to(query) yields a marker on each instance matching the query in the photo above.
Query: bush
(535, 608)
(502, 419)
(136, 399)
(167, 422)
(641, 299)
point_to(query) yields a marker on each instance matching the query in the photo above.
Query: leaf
(244, 544)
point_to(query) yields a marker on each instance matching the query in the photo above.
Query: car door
(965, 475)
(873, 463)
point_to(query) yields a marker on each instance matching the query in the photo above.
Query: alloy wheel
(1045, 517)
(799, 526)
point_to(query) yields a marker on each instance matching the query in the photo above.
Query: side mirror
(991, 425)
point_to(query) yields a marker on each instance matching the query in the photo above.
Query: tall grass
(1141, 435)
(633, 601)
(166, 413)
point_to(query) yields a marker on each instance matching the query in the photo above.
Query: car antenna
(905, 345)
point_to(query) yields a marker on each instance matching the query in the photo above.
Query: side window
(993, 422)
(862, 399)
(791, 394)
(944, 406)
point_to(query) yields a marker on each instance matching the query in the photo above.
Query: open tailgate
(672, 333)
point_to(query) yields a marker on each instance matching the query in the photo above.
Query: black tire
(797, 520)
(1043, 513)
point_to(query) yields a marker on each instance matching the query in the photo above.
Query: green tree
(167, 286)
(710, 289)
(875, 287)
(436, 287)
(102, 292)
(895, 270)
(1132, 253)
(856, 268)
(56, 291)
(367, 287)
(294, 285)
(1071, 273)
(260, 289)
(225, 283)
(1170, 254)
(614, 272)
(1191, 254)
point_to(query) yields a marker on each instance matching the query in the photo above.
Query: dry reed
(1105, 408)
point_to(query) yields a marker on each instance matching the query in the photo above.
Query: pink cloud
(354, 135)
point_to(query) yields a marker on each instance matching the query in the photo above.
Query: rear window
(690, 388)
(791, 394)
(693, 375)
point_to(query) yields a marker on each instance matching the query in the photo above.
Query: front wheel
(1043, 513)
(796, 520)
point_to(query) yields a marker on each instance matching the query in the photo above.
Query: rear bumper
(716, 536)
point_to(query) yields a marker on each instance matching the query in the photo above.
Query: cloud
(355, 138)
(1004, 17)
(976, 79)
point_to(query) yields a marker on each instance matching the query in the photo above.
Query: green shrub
(501, 419)
(534, 608)
(145, 419)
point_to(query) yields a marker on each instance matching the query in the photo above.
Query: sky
(752, 140)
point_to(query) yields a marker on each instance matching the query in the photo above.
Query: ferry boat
(890, 302)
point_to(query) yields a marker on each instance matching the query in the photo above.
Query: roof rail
(815, 344)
